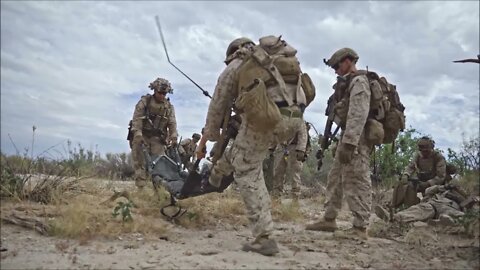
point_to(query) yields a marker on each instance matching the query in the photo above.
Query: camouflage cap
(339, 55)
(425, 143)
(196, 136)
(237, 43)
(161, 85)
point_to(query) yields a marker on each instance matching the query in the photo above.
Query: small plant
(123, 209)
(470, 221)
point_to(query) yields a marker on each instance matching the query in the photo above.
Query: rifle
(328, 136)
(229, 131)
(130, 133)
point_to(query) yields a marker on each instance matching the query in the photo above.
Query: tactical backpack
(386, 116)
(273, 62)
(308, 88)
(386, 107)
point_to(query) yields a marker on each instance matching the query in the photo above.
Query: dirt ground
(218, 247)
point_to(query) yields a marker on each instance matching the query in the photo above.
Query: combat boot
(353, 233)
(326, 225)
(262, 245)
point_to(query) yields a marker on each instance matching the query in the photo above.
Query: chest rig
(156, 117)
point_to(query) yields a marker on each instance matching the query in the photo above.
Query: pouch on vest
(374, 132)
(394, 122)
(308, 88)
(261, 112)
(341, 111)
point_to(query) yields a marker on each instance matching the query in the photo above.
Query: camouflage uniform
(153, 123)
(245, 156)
(439, 201)
(349, 174)
(353, 178)
(186, 150)
(430, 169)
(287, 166)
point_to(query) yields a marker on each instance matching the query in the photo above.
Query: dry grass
(421, 236)
(212, 209)
(379, 229)
(287, 211)
(470, 182)
(84, 218)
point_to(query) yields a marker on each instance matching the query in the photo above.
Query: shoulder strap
(147, 106)
(266, 61)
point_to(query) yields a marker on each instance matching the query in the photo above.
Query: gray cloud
(76, 69)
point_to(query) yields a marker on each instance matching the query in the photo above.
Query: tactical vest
(386, 114)
(427, 167)
(156, 119)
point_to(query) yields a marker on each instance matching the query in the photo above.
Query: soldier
(441, 204)
(186, 150)
(268, 169)
(289, 158)
(430, 169)
(223, 95)
(350, 171)
(153, 125)
(270, 103)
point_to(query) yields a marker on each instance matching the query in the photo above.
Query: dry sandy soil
(218, 247)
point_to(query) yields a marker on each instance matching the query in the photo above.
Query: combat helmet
(161, 85)
(196, 136)
(425, 143)
(339, 55)
(235, 45)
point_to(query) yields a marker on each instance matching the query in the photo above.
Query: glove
(345, 152)
(300, 155)
(404, 179)
(138, 138)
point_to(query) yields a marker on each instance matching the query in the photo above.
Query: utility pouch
(261, 112)
(374, 132)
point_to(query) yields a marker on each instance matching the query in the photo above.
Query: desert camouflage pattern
(244, 158)
(431, 208)
(162, 118)
(186, 150)
(155, 146)
(287, 167)
(434, 165)
(155, 132)
(352, 180)
(222, 100)
(246, 153)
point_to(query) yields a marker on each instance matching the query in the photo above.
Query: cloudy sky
(76, 69)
